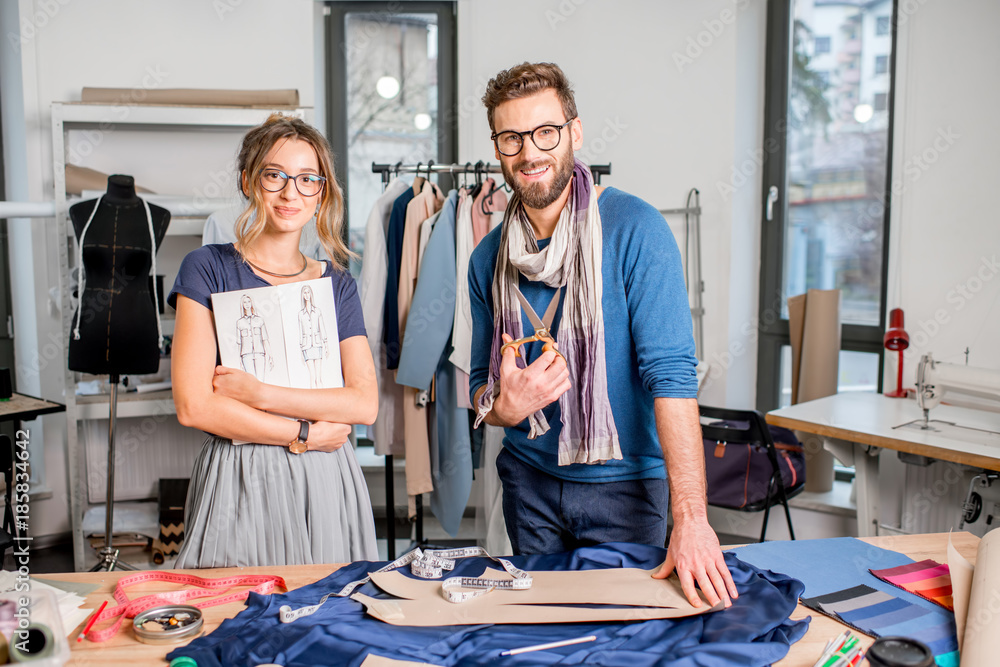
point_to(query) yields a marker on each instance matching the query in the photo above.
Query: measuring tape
(263, 584)
(431, 564)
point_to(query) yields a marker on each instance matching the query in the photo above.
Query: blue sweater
(647, 333)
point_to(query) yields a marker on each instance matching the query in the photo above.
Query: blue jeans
(546, 515)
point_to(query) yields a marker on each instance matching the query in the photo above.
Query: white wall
(671, 93)
(60, 46)
(945, 234)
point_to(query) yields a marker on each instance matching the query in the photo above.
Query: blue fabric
(755, 631)
(831, 565)
(394, 252)
(648, 341)
(218, 268)
(545, 515)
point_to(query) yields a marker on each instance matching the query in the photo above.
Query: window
(821, 45)
(390, 88)
(882, 25)
(881, 64)
(831, 171)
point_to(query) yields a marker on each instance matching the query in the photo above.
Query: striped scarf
(571, 260)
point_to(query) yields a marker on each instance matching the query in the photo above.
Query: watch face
(298, 447)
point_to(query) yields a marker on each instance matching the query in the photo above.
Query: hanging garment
(418, 470)
(491, 528)
(461, 333)
(394, 256)
(488, 202)
(426, 345)
(755, 631)
(387, 431)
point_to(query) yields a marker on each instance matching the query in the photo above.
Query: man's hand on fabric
(695, 554)
(526, 390)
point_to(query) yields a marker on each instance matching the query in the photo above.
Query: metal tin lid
(169, 624)
(899, 652)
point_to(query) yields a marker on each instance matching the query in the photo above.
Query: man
(588, 427)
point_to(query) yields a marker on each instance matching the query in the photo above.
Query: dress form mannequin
(116, 321)
(116, 328)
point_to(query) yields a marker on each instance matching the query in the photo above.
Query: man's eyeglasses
(308, 185)
(545, 137)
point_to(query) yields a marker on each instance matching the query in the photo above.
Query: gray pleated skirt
(262, 505)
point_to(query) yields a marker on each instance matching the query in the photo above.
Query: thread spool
(36, 642)
(899, 652)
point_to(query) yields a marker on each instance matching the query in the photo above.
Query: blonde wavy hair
(257, 144)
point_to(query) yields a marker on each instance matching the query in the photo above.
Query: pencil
(542, 647)
(90, 623)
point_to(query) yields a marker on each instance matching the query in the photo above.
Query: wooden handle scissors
(541, 325)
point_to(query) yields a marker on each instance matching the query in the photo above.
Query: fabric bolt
(927, 578)
(424, 358)
(418, 466)
(648, 340)
(387, 431)
(394, 258)
(461, 333)
(255, 504)
(837, 570)
(755, 631)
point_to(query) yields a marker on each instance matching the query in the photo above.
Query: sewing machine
(935, 379)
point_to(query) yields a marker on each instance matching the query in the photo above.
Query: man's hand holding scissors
(525, 390)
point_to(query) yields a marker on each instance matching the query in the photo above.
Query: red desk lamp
(896, 338)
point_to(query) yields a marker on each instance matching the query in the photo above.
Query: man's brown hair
(525, 80)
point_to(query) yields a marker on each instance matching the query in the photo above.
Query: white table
(855, 426)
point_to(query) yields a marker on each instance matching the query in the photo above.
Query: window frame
(774, 330)
(336, 82)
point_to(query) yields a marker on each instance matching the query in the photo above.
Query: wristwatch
(298, 445)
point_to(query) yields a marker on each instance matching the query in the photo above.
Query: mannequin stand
(108, 556)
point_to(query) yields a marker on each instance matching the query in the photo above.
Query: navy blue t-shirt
(219, 268)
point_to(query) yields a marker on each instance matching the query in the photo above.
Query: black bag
(739, 473)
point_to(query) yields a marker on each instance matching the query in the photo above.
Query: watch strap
(303, 430)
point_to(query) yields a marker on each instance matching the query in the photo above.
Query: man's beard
(539, 195)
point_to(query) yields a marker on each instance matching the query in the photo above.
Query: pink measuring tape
(262, 583)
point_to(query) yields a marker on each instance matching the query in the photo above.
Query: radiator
(146, 449)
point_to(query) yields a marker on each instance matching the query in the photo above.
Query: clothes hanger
(479, 180)
(418, 180)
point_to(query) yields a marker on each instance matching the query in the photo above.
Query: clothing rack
(692, 263)
(469, 168)
(388, 170)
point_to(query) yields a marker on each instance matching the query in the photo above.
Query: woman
(293, 494)
(312, 338)
(252, 332)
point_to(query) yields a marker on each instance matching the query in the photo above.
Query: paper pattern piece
(372, 660)
(625, 593)
(927, 578)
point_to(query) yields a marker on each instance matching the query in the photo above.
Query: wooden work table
(124, 649)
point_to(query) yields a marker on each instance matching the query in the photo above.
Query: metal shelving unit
(81, 116)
